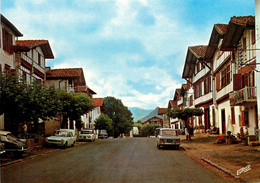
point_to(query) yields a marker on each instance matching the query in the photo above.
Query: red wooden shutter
(246, 78)
(217, 82)
(237, 82)
(4, 44)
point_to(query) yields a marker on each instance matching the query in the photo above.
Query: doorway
(223, 121)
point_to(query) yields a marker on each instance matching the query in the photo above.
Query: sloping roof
(152, 114)
(193, 54)
(162, 111)
(64, 73)
(44, 44)
(235, 29)
(218, 32)
(5, 21)
(98, 102)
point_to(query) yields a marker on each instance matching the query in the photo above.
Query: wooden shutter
(217, 82)
(4, 44)
(246, 78)
(237, 82)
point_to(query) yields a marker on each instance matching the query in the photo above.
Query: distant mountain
(139, 113)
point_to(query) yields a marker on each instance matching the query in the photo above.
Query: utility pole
(257, 73)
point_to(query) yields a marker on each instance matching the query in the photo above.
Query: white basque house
(240, 109)
(8, 34)
(89, 118)
(197, 72)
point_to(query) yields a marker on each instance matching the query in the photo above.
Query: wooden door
(223, 121)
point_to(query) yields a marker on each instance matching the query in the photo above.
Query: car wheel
(65, 145)
(178, 147)
(73, 144)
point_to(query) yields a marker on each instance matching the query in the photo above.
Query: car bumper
(55, 143)
(85, 138)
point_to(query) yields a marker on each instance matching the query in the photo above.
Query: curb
(222, 169)
(184, 148)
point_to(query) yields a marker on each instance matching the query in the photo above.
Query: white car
(88, 135)
(168, 137)
(63, 138)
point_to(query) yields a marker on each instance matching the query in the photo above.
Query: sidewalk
(230, 157)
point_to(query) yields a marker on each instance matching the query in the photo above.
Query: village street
(112, 160)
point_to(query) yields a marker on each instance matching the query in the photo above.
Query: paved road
(113, 160)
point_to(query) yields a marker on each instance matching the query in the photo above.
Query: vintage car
(87, 134)
(102, 134)
(63, 138)
(168, 137)
(13, 147)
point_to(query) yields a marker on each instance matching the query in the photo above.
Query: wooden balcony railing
(247, 94)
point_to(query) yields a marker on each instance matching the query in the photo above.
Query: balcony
(247, 94)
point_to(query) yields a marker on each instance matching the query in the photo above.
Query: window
(205, 86)
(7, 41)
(228, 74)
(223, 78)
(200, 89)
(39, 59)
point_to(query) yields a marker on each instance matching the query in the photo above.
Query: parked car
(88, 135)
(2, 148)
(168, 137)
(102, 134)
(62, 137)
(12, 145)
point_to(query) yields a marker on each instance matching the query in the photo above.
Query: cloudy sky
(130, 49)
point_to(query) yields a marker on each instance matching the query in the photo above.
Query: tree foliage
(103, 122)
(184, 113)
(148, 130)
(122, 119)
(30, 102)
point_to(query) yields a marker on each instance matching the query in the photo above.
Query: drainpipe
(257, 74)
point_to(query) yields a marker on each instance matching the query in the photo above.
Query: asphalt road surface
(113, 160)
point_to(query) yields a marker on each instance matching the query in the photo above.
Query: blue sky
(130, 49)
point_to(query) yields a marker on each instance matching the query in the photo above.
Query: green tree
(30, 102)
(149, 130)
(122, 119)
(103, 122)
(184, 114)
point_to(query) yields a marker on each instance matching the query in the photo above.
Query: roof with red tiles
(162, 111)
(32, 43)
(198, 51)
(64, 73)
(98, 102)
(221, 28)
(243, 20)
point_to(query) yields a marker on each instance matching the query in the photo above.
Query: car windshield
(11, 137)
(61, 134)
(86, 132)
(168, 132)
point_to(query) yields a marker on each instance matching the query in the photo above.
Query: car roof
(4, 132)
